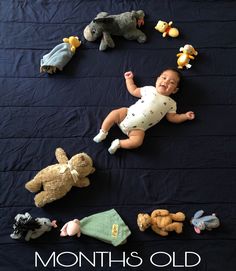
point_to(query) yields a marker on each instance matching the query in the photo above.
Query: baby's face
(167, 83)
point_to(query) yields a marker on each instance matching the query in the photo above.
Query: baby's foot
(100, 136)
(114, 146)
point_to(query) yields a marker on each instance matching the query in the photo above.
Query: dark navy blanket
(184, 167)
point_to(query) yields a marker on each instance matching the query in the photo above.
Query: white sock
(100, 136)
(114, 146)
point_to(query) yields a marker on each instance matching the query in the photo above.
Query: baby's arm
(132, 88)
(178, 118)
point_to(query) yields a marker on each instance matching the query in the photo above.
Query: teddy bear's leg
(83, 182)
(33, 185)
(178, 216)
(159, 231)
(175, 226)
(45, 197)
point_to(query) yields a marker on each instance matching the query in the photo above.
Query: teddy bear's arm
(159, 212)
(179, 216)
(61, 156)
(82, 182)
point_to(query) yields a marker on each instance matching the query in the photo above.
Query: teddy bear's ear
(66, 40)
(92, 170)
(84, 161)
(63, 230)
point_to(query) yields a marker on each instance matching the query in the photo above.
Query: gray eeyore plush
(124, 24)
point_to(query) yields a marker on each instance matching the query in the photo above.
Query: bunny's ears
(198, 214)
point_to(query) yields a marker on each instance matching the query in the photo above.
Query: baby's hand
(129, 75)
(190, 115)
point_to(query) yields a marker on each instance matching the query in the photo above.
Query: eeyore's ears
(102, 14)
(103, 20)
(63, 230)
(198, 214)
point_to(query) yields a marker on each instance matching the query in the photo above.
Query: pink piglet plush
(71, 228)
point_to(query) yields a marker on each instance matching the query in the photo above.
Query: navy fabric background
(183, 167)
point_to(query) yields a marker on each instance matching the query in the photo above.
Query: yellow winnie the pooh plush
(166, 29)
(58, 179)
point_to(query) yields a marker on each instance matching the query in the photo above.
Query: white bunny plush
(201, 223)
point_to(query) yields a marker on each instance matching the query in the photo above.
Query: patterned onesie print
(147, 111)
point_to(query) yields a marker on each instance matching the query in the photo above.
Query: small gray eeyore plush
(124, 24)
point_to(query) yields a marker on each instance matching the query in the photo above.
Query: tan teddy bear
(58, 179)
(161, 221)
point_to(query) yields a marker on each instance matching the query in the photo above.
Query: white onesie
(147, 111)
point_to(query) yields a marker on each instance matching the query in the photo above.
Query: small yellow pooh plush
(73, 41)
(166, 29)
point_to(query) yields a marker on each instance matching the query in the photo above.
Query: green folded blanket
(106, 226)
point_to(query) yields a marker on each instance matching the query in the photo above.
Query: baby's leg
(114, 117)
(134, 141)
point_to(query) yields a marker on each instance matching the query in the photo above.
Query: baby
(153, 105)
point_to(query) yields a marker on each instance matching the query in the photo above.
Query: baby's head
(168, 82)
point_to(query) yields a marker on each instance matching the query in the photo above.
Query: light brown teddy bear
(161, 221)
(58, 179)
